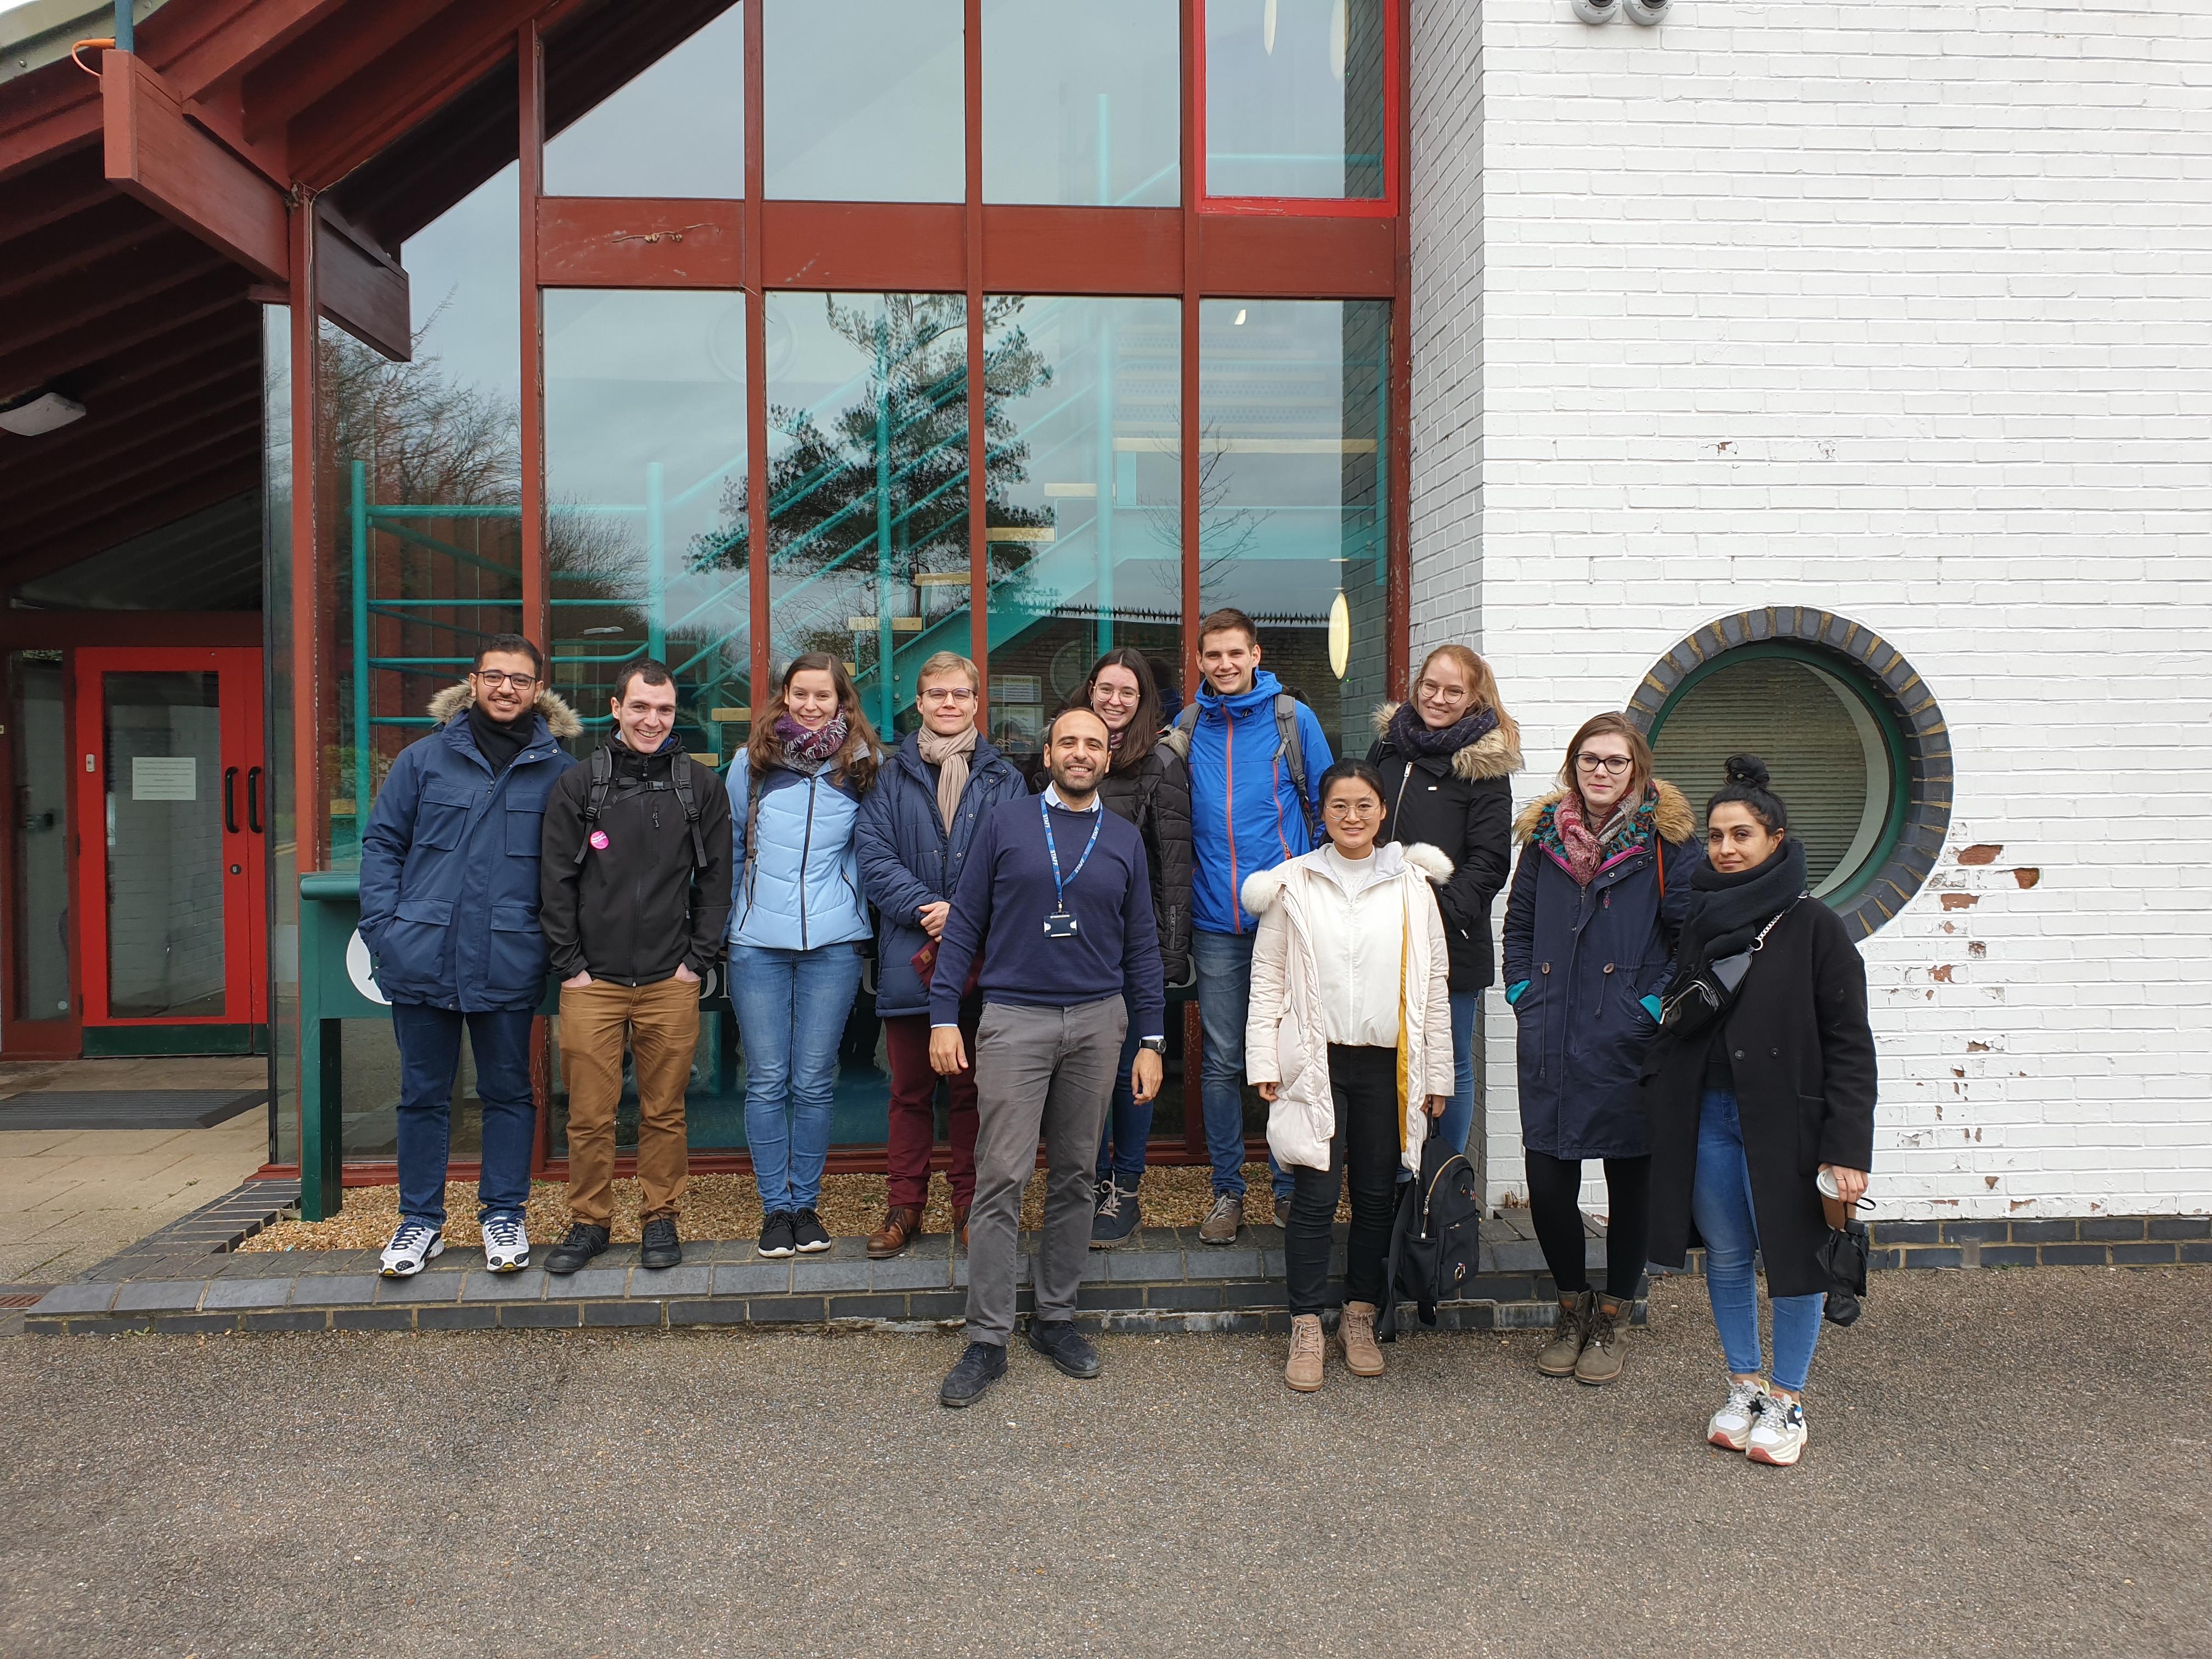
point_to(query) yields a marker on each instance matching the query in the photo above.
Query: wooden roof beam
(163, 501)
(156, 154)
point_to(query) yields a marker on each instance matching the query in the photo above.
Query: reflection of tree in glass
(1226, 533)
(883, 478)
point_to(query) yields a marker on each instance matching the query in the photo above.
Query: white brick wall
(1904, 311)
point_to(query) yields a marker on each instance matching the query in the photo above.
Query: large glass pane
(1082, 103)
(39, 736)
(1294, 101)
(163, 737)
(1084, 466)
(1293, 418)
(425, 493)
(863, 100)
(676, 129)
(867, 484)
(645, 469)
(284, 860)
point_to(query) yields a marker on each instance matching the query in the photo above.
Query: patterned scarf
(809, 751)
(1412, 738)
(1583, 852)
(949, 756)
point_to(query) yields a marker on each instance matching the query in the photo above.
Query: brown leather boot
(960, 1223)
(1308, 1350)
(1363, 1357)
(902, 1226)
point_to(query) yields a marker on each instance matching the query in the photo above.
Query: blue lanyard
(1059, 887)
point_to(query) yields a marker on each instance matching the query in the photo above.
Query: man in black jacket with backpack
(635, 900)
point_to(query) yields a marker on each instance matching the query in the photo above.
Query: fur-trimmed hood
(1495, 754)
(1263, 887)
(1671, 814)
(560, 719)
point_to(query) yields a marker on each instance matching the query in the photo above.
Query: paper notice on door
(164, 777)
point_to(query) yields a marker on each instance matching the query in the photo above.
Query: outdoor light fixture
(40, 411)
(1239, 323)
(1340, 634)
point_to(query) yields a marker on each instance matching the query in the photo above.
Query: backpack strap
(1294, 755)
(595, 798)
(1176, 738)
(680, 778)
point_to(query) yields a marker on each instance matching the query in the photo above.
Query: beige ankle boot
(1570, 1330)
(1307, 1349)
(1362, 1356)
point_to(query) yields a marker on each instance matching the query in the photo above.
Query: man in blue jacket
(1253, 751)
(914, 832)
(449, 913)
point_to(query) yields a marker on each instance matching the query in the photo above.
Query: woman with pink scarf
(1598, 899)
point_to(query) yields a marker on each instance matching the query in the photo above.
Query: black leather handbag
(1842, 1259)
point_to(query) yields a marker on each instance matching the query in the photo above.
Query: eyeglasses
(493, 677)
(1612, 765)
(1442, 693)
(947, 694)
(1354, 808)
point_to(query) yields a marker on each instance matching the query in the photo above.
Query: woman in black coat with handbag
(1445, 757)
(1149, 786)
(1761, 1085)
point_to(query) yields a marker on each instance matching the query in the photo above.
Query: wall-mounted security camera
(1646, 12)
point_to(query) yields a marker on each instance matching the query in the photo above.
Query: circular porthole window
(1856, 741)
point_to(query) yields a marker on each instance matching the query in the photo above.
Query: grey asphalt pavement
(2002, 1462)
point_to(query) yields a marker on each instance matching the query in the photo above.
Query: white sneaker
(1778, 1437)
(507, 1245)
(415, 1243)
(1731, 1424)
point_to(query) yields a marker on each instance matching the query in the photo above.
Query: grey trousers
(1048, 1071)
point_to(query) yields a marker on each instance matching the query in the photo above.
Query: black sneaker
(1058, 1341)
(808, 1234)
(661, 1248)
(775, 1238)
(1116, 1218)
(583, 1242)
(981, 1363)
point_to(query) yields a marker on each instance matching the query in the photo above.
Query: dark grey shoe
(583, 1242)
(1223, 1220)
(660, 1247)
(1058, 1341)
(980, 1364)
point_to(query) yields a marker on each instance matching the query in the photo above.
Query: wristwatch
(1158, 1045)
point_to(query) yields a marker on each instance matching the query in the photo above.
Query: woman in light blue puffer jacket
(798, 929)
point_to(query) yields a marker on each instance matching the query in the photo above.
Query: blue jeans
(430, 1058)
(792, 1006)
(1458, 1118)
(1720, 1203)
(1224, 963)
(1128, 1121)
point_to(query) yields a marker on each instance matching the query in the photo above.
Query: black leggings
(1555, 1186)
(1362, 1155)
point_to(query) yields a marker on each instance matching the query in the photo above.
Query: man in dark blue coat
(449, 913)
(913, 836)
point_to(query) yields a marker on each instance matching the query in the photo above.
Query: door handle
(253, 800)
(230, 799)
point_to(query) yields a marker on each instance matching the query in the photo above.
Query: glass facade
(1146, 445)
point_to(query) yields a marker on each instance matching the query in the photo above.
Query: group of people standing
(1334, 916)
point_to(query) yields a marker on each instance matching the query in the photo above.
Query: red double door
(171, 816)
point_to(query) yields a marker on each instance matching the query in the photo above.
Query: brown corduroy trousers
(660, 1025)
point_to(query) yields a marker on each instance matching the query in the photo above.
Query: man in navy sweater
(1057, 897)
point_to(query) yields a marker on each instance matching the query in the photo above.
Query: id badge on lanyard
(1060, 924)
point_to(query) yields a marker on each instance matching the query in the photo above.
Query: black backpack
(603, 782)
(1176, 740)
(1436, 1242)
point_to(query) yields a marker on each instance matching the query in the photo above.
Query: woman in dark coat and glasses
(1756, 1095)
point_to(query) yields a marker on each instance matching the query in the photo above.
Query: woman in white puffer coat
(1349, 1041)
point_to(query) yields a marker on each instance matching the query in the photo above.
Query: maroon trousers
(913, 1110)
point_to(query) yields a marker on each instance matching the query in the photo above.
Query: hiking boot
(506, 1244)
(981, 1363)
(808, 1236)
(1569, 1332)
(776, 1240)
(1117, 1217)
(902, 1226)
(583, 1242)
(658, 1246)
(414, 1243)
(1308, 1350)
(1356, 1328)
(1731, 1425)
(1058, 1341)
(1599, 1363)
(1223, 1220)
(1778, 1437)
(960, 1223)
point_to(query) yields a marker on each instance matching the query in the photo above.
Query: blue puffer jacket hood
(1245, 813)
(797, 886)
(909, 858)
(449, 864)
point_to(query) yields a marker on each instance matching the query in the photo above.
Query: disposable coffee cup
(1831, 1199)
